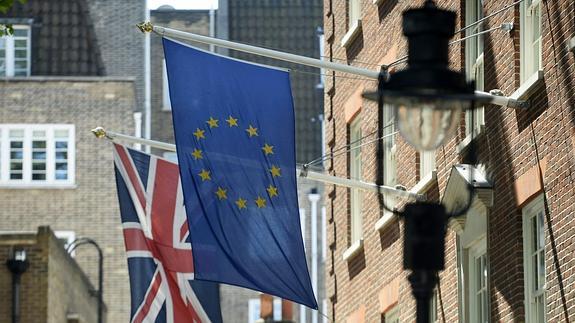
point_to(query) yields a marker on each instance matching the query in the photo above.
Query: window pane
(38, 166)
(16, 133)
(15, 175)
(16, 166)
(39, 155)
(21, 64)
(20, 43)
(62, 155)
(62, 133)
(20, 53)
(18, 154)
(541, 230)
(39, 177)
(61, 144)
(541, 269)
(2, 43)
(20, 32)
(535, 273)
(16, 144)
(61, 166)
(38, 144)
(61, 175)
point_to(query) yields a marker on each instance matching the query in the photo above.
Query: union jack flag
(156, 237)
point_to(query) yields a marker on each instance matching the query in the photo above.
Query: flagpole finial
(145, 27)
(99, 132)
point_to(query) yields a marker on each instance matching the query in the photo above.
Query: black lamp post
(17, 264)
(100, 293)
(428, 99)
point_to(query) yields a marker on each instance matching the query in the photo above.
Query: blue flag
(234, 130)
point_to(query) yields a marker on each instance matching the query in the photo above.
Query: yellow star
(275, 171)
(252, 131)
(199, 133)
(232, 121)
(272, 190)
(197, 154)
(221, 193)
(213, 123)
(268, 149)
(205, 175)
(241, 203)
(261, 202)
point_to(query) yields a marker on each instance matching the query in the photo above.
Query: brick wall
(195, 21)
(90, 209)
(121, 44)
(507, 151)
(53, 288)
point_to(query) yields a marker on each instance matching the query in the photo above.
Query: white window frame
(389, 154)
(253, 310)
(9, 47)
(535, 210)
(426, 163)
(353, 22)
(355, 170)
(392, 316)
(478, 252)
(474, 65)
(321, 39)
(166, 101)
(26, 181)
(531, 61)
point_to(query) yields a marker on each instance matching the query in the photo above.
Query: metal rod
(102, 133)
(298, 59)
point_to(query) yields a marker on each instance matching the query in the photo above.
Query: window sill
(28, 186)
(384, 221)
(351, 33)
(526, 89)
(424, 183)
(353, 250)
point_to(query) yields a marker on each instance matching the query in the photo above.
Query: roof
(63, 37)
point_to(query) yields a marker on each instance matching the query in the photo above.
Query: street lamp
(17, 264)
(100, 293)
(428, 99)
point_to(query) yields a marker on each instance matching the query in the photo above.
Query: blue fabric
(260, 246)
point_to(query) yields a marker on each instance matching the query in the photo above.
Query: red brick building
(510, 258)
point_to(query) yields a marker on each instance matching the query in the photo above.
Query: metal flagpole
(100, 132)
(303, 60)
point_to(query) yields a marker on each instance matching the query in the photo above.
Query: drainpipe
(17, 264)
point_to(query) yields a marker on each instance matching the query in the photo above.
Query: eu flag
(234, 130)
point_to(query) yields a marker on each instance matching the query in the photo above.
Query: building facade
(62, 76)
(508, 258)
(53, 287)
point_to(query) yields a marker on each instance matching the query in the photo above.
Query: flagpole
(100, 132)
(500, 100)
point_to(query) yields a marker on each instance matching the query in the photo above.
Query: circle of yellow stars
(221, 193)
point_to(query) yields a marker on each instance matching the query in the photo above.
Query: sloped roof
(63, 37)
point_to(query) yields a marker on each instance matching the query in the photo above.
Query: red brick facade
(523, 153)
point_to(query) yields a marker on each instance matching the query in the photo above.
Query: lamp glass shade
(427, 123)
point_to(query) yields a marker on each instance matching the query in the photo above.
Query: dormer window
(15, 52)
